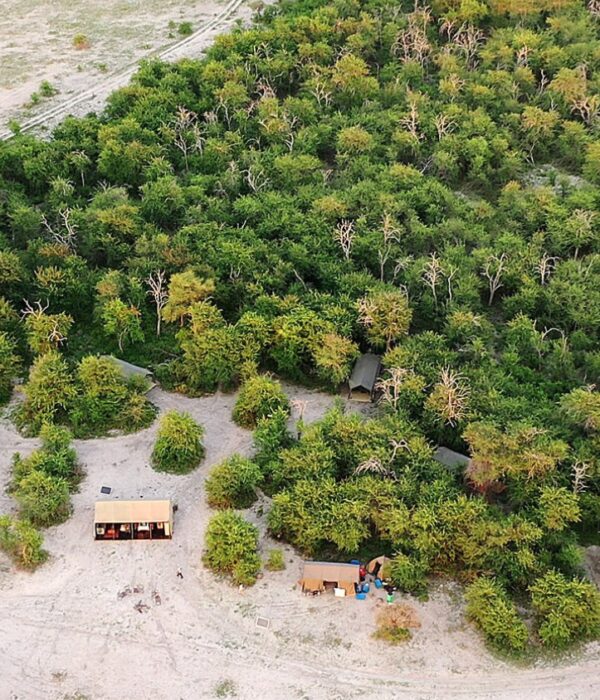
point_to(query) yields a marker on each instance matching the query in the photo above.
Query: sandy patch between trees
(38, 38)
(71, 627)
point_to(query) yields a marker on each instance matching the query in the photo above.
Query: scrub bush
(232, 484)
(490, 608)
(232, 548)
(21, 541)
(259, 397)
(178, 448)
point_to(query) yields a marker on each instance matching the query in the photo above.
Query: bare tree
(411, 121)
(411, 44)
(468, 39)
(390, 235)
(391, 385)
(432, 274)
(546, 266)
(54, 334)
(493, 270)
(594, 8)
(372, 466)
(344, 234)
(256, 179)
(68, 235)
(588, 108)
(444, 126)
(580, 476)
(450, 396)
(187, 134)
(158, 291)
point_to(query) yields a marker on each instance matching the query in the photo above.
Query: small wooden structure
(364, 378)
(128, 371)
(319, 575)
(133, 520)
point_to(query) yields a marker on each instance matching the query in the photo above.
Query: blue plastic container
(361, 596)
(365, 588)
(354, 561)
(378, 583)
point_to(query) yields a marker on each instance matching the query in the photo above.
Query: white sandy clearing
(65, 630)
(37, 44)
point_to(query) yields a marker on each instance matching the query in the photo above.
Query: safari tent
(133, 520)
(364, 377)
(319, 575)
(379, 567)
(128, 371)
(454, 461)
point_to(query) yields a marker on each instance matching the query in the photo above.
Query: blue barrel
(365, 588)
(378, 583)
(354, 561)
(361, 596)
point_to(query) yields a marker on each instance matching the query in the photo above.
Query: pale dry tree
(450, 397)
(580, 476)
(588, 108)
(158, 291)
(411, 121)
(391, 385)
(594, 8)
(449, 273)
(468, 39)
(256, 179)
(54, 335)
(66, 234)
(344, 234)
(493, 270)
(546, 266)
(443, 125)
(411, 44)
(187, 135)
(372, 466)
(390, 235)
(432, 275)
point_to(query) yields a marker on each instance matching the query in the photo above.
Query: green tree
(490, 608)
(258, 398)
(44, 331)
(43, 499)
(185, 289)
(9, 366)
(178, 448)
(566, 611)
(233, 483)
(20, 540)
(333, 357)
(231, 548)
(386, 316)
(49, 393)
(122, 321)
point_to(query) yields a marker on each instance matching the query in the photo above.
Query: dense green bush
(178, 448)
(55, 457)
(409, 574)
(231, 548)
(233, 483)
(259, 397)
(566, 611)
(43, 499)
(9, 366)
(20, 540)
(275, 560)
(489, 606)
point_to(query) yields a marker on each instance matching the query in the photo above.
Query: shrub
(408, 574)
(9, 366)
(80, 42)
(55, 458)
(46, 89)
(185, 29)
(259, 397)
(178, 448)
(232, 547)
(275, 561)
(394, 623)
(566, 611)
(43, 499)
(232, 484)
(490, 608)
(21, 541)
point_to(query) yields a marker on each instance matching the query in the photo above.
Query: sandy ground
(71, 627)
(37, 44)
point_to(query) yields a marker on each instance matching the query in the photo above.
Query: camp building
(364, 377)
(319, 575)
(133, 520)
(128, 371)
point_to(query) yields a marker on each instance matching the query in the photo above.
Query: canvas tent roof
(133, 512)
(383, 562)
(128, 370)
(365, 372)
(330, 571)
(451, 459)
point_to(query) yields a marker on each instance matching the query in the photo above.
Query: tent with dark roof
(364, 377)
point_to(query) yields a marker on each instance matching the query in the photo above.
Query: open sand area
(38, 45)
(70, 629)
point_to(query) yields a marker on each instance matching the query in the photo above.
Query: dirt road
(73, 626)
